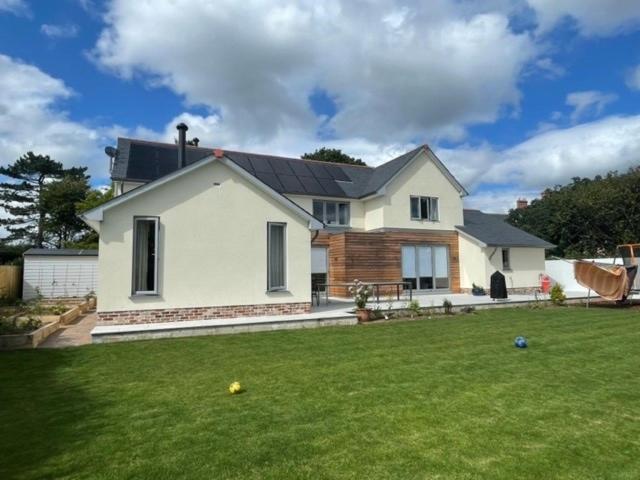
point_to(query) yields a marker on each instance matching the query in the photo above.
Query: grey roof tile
(142, 161)
(492, 230)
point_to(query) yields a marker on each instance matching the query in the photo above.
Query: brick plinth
(200, 313)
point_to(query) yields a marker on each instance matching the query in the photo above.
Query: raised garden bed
(27, 326)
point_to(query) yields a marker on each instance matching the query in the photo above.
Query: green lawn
(441, 398)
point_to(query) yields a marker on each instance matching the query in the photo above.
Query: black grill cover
(498, 286)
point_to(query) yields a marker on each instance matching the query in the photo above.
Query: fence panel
(10, 281)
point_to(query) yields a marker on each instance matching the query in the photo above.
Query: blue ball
(520, 342)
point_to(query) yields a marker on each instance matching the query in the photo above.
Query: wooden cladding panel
(377, 256)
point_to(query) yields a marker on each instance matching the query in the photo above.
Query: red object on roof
(218, 153)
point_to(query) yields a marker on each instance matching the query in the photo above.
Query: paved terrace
(458, 300)
(336, 312)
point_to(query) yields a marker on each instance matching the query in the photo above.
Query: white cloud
(550, 68)
(397, 72)
(499, 201)
(59, 31)
(17, 7)
(214, 132)
(633, 78)
(592, 17)
(589, 102)
(547, 159)
(30, 120)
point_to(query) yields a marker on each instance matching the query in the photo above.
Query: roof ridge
(153, 142)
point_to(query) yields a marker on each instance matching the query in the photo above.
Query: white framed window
(145, 255)
(332, 213)
(276, 256)
(424, 208)
(506, 259)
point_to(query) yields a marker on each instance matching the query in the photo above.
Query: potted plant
(477, 291)
(361, 294)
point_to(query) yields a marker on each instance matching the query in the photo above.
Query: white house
(197, 233)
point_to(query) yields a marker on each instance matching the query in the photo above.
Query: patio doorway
(319, 267)
(426, 267)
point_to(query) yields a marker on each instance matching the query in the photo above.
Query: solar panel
(337, 173)
(319, 171)
(291, 184)
(331, 187)
(244, 162)
(300, 169)
(151, 162)
(280, 166)
(311, 185)
(261, 165)
(271, 180)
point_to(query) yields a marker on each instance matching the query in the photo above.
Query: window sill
(277, 290)
(423, 220)
(142, 295)
(507, 269)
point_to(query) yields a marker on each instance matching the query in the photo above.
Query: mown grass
(441, 398)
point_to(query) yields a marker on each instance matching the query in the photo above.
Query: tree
(60, 200)
(587, 217)
(333, 155)
(94, 198)
(22, 197)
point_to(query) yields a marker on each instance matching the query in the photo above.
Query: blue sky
(513, 95)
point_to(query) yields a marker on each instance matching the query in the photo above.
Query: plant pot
(363, 314)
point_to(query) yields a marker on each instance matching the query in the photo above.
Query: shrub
(361, 293)
(14, 325)
(414, 308)
(557, 294)
(468, 309)
(58, 309)
(447, 306)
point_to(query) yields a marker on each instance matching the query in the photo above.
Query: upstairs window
(424, 208)
(332, 213)
(506, 259)
(277, 257)
(145, 255)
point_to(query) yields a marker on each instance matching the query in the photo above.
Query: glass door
(426, 267)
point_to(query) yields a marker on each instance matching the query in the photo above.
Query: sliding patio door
(426, 267)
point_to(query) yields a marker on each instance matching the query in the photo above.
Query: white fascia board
(96, 214)
(445, 171)
(383, 189)
(314, 223)
(439, 165)
(471, 238)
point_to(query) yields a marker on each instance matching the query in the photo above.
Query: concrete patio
(458, 300)
(339, 311)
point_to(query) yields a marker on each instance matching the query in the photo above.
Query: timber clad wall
(376, 256)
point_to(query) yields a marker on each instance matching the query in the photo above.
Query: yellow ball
(234, 388)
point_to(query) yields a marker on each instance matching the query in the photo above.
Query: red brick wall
(200, 313)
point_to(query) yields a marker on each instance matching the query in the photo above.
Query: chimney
(182, 142)
(522, 203)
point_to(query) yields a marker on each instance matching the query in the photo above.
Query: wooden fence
(10, 281)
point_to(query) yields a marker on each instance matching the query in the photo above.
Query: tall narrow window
(415, 207)
(145, 255)
(433, 209)
(276, 262)
(506, 259)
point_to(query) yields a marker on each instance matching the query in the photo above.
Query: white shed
(59, 273)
